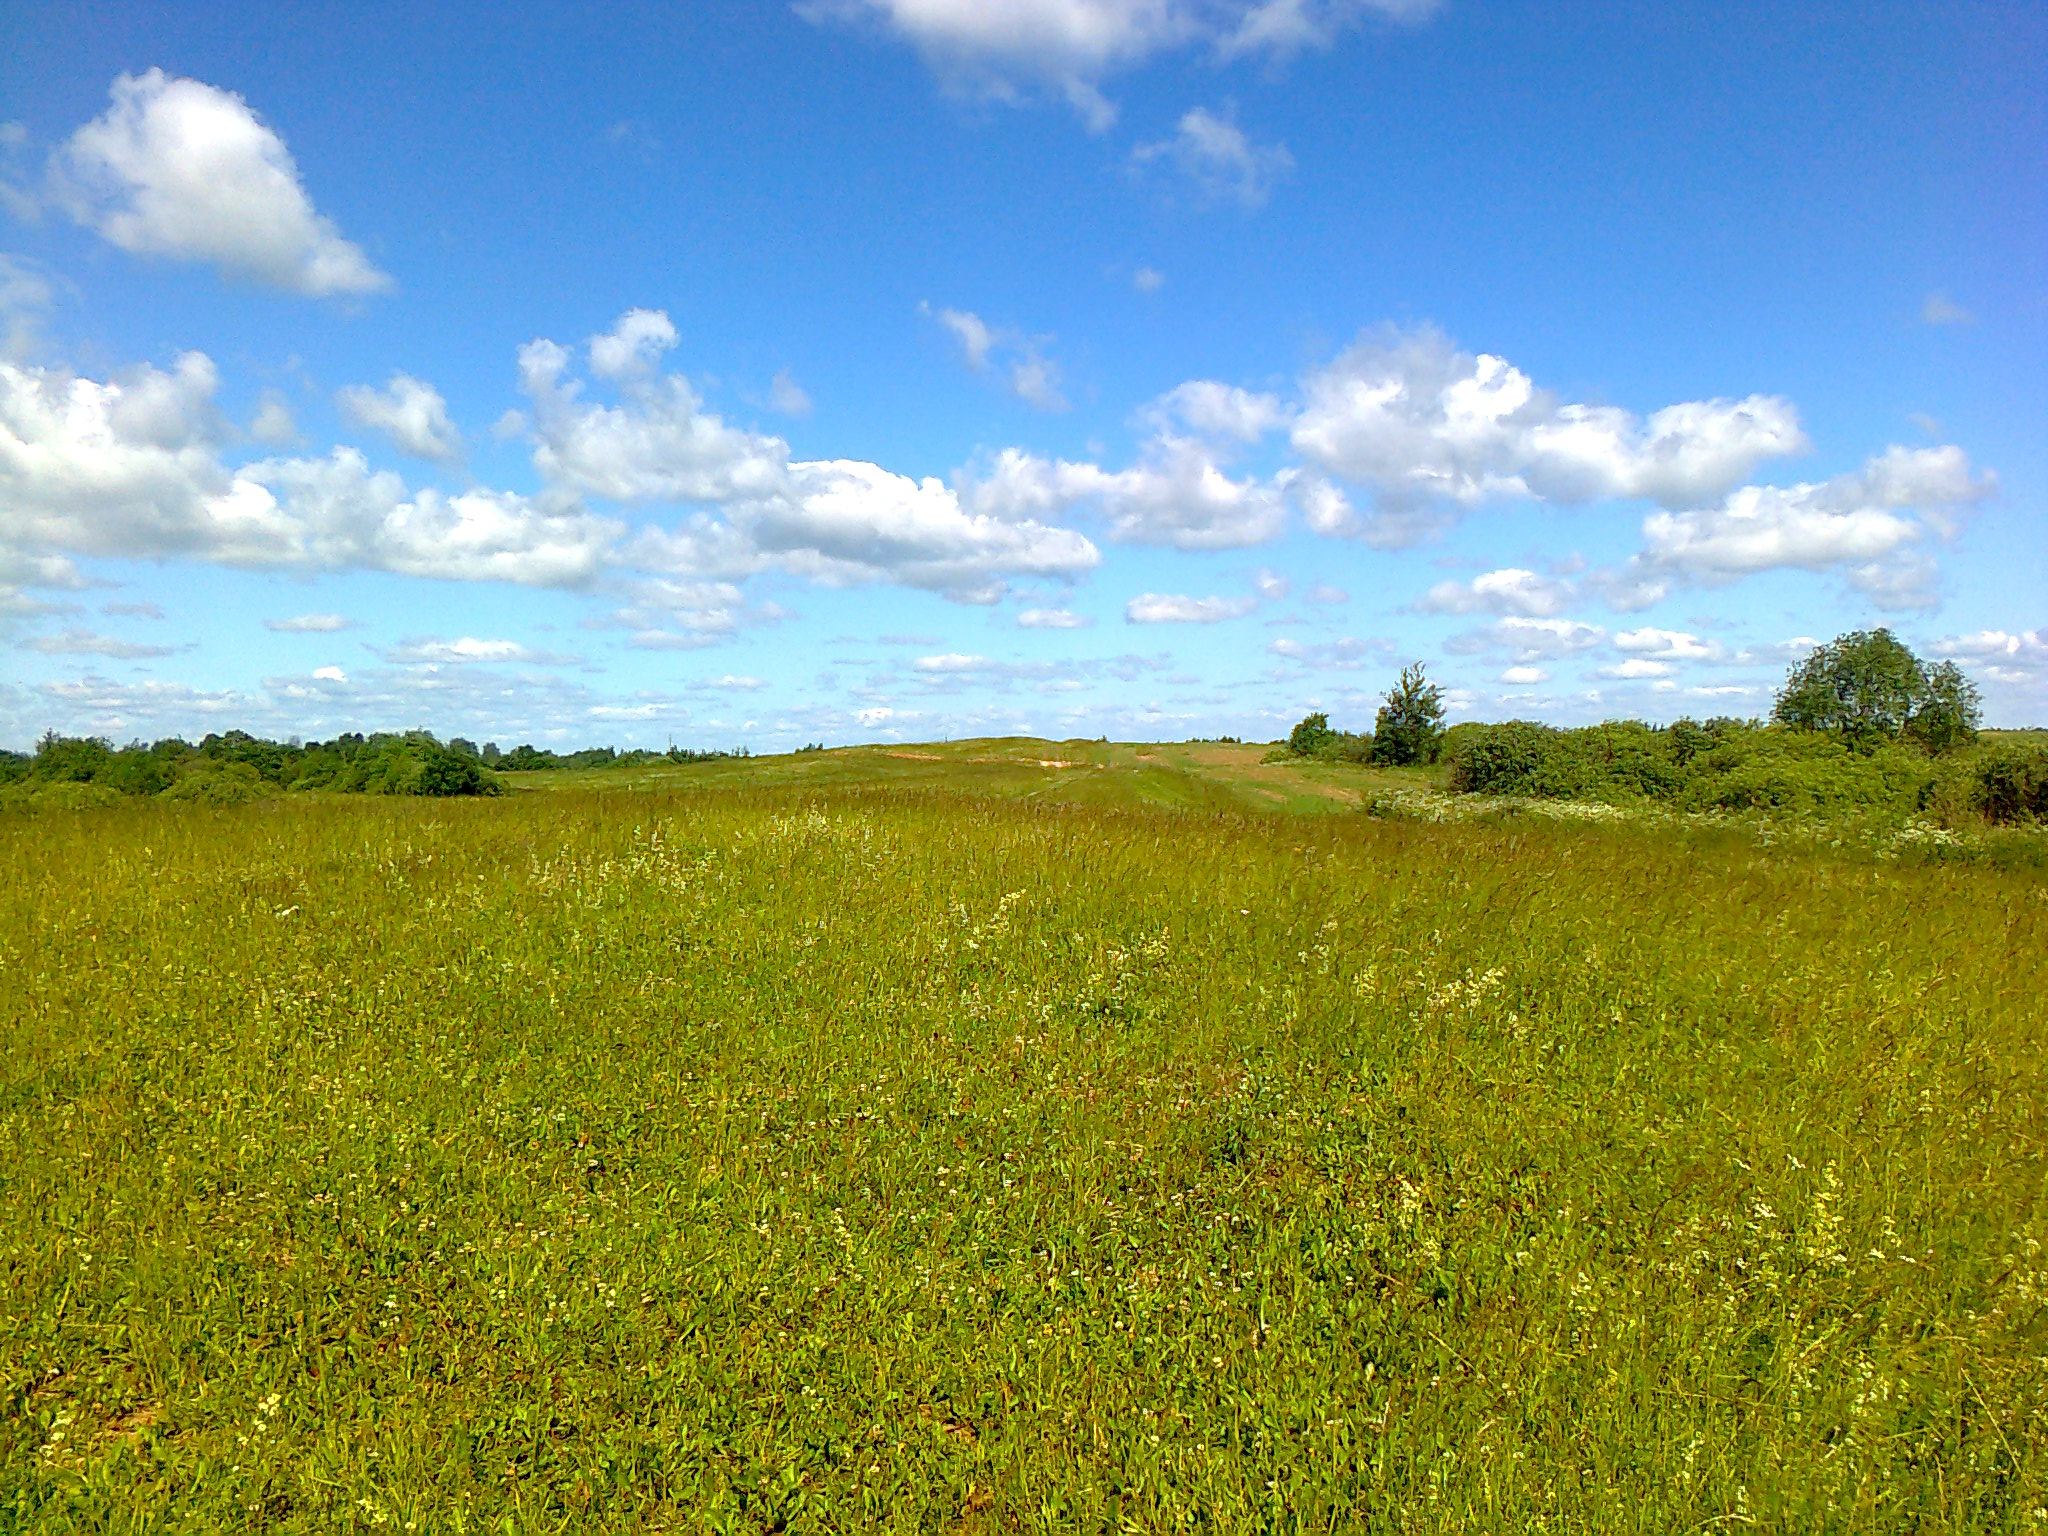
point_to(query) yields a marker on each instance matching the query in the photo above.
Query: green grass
(956, 1143)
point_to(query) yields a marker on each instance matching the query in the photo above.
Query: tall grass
(736, 1159)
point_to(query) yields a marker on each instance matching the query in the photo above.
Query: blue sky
(896, 369)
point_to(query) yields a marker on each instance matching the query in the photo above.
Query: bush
(1724, 765)
(221, 784)
(2011, 784)
(1501, 759)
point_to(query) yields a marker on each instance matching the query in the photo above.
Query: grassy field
(1011, 1136)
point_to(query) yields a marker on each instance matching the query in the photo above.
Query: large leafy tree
(1869, 687)
(1410, 727)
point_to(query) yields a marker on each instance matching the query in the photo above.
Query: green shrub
(2010, 784)
(1500, 759)
(1724, 765)
(221, 783)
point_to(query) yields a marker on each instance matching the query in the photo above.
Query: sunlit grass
(949, 1146)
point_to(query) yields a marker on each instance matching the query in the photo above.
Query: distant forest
(234, 766)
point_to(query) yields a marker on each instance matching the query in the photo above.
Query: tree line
(1860, 724)
(232, 766)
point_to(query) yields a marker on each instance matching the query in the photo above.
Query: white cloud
(786, 396)
(1636, 668)
(1506, 591)
(1177, 494)
(1527, 639)
(1035, 380)
(467, 649)
(1421, 423)
(1940, 309)
(1218, 158)
(1013, 50)
(1322, 592)
(178, 168)
(1050, 618)
(1523, 677)
(874, 716)
(974, 334)
(1148, 280)
(330, 674)
(1033, 377)
(1348, 653)
(1271, 585)
(129, 468)
(1671, 644)
(1164, 608)
(1328, 510)
(410, 412)
(79, 642)
(633, 347)
(2004, 656)
(850, 521)
(1867, 524)
(1212, 410)
(274, 424)
(336, 513)
(952, 661)
(26, 294)
(309, 624)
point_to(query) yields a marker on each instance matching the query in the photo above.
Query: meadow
(1011, 1137)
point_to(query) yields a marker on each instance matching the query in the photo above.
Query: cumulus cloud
(178, 168)
(1218, 159)
(309, 624)
(467, 649)
(408, 411)
(1014, 50)
(2004, 656)
(1870, 525)
(1050, 618)
(1523, 677)
(952, 661)
(1527, 640)
(633, 347)
(129, 467)
(1507, 591)
(1177, 494)
(1636, 668)
(1422, 423)
(1330, 511)
(1165, 608)
(837, 521)
(1669, 644)
(1212, 410)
